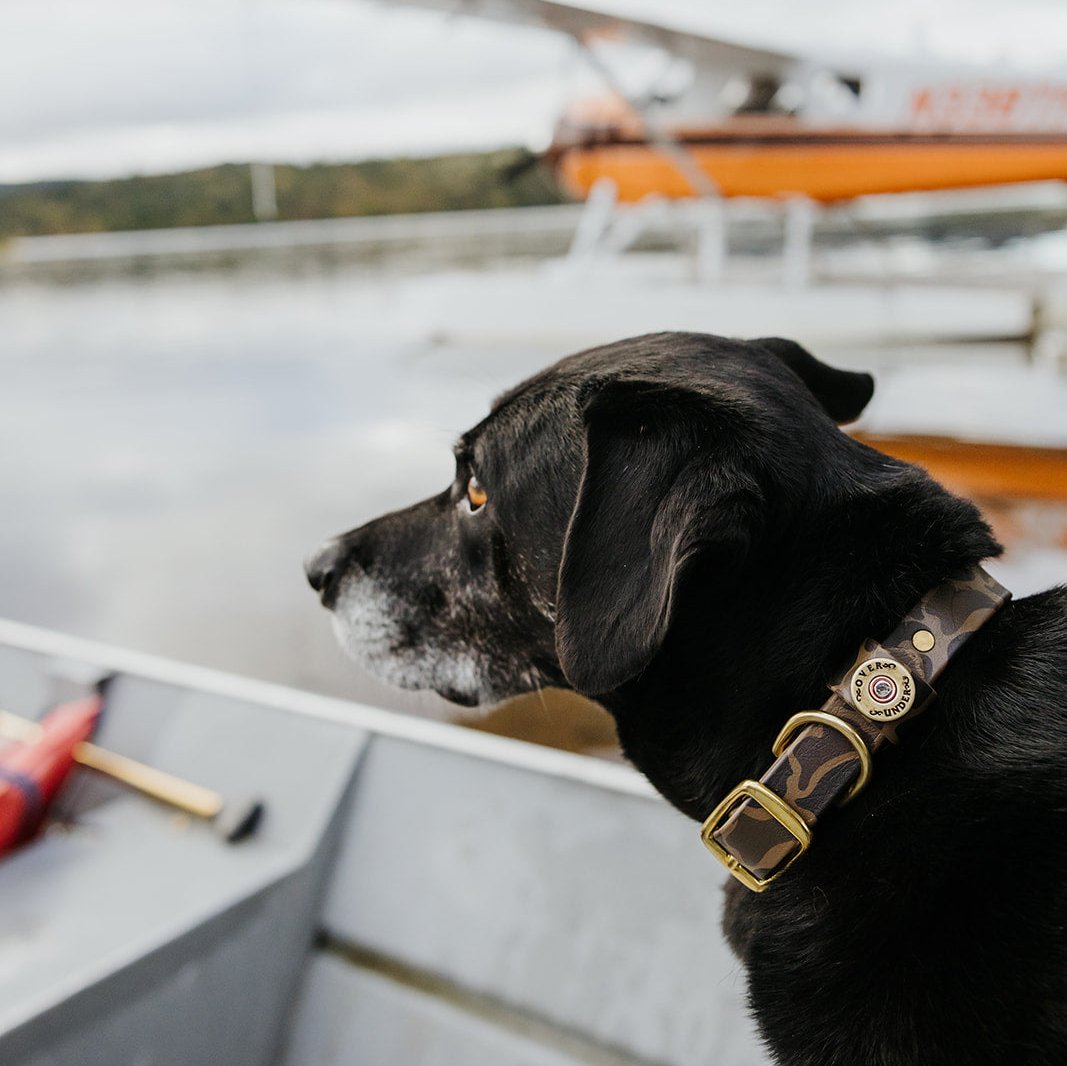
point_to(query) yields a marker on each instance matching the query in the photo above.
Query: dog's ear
(659, 486)
(843, 393)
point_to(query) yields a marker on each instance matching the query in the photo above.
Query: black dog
(674, 525)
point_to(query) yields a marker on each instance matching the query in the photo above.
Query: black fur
(677, 527)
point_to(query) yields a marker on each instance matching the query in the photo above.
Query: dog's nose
(323, 565)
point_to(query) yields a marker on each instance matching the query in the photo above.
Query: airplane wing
(592, 20)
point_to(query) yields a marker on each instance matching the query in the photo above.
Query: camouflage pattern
(819, 764)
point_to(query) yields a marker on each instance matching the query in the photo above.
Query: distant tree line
(221, 195)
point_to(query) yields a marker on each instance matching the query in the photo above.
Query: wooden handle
(175, 791)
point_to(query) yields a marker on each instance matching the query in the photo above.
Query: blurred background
(262, 260)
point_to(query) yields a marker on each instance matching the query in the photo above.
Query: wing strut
(655, 134)
(596, 229)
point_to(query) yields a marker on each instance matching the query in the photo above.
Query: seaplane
(804, 132)
(759, 122)
(801, 130)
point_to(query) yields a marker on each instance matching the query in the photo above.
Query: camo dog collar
(824, 756)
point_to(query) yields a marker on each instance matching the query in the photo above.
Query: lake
(174, 442)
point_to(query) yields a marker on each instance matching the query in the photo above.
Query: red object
(31, 772)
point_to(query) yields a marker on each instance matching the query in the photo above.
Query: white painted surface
(627, 299)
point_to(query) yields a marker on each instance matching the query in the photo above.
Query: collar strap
(824, 756)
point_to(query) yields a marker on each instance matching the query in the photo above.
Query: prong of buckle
(777, 808)
(847, 731)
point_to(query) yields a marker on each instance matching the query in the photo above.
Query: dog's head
(557, 553)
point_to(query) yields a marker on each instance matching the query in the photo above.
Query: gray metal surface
(351, 1014)
(591, 909)
(138, 938)
(489, 902)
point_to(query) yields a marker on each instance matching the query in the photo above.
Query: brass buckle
(777, 808)
(847, 731)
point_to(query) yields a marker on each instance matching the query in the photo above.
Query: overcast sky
(117, 87)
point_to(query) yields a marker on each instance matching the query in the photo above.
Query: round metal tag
(882, 689)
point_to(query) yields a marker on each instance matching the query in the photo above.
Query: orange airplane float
(949, 135)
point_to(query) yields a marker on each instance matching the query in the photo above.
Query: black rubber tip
(239, 820)
(104, 683)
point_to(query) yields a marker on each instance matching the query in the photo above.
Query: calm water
(172, 445)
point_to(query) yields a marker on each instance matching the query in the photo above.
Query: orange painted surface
(813, 167)
(983, 469)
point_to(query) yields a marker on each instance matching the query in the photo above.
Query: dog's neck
(745, 652)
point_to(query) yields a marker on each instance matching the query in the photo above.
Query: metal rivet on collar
(882, 689)
(922, 640)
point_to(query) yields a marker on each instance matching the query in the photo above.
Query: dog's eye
(477, 497)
